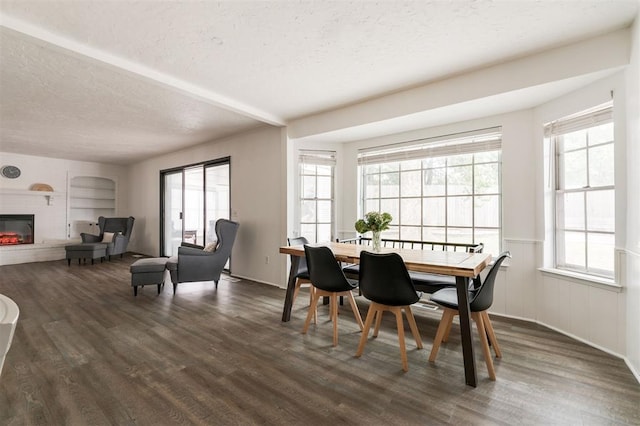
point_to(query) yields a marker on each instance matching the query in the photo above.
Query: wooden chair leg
(447, 315)
(313, 303)
(354, 308)
(299, 283)
(312, 308)
(296, 291)
(378, 322)
(491, 333)
(397, 311)
(413, 326)
(485, 344)
(333, 307)
(367, 325)
(447, 330)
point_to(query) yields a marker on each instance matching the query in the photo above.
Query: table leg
(470, 375)
(291, 287)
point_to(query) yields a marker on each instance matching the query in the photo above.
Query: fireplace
(16, 229)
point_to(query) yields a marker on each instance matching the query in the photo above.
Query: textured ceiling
(150, 77)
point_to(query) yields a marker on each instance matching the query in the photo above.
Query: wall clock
(10, 172)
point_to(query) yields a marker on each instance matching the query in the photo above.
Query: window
(316, 194)
(583, 145)
(438, 189)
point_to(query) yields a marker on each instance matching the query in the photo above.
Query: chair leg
(371, 314)
(413, 326)
(175, 286)
(447, 330)
(296, 291)
(490, 333)
(447, 316)
(379, 313)
(397, 311)
(312, 291)
(299, 283)
(485, 344)
(333, 308)
(311, 313)
(135, 290)
(354, 308)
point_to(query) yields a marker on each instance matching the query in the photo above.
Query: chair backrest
(302, 263)
(123, 225)
(483, 297)
(324, 270)
(226, 231)
(384, 279)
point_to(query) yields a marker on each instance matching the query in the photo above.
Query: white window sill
(600, 282)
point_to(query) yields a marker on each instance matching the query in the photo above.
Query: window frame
(445, 148)
(554, 132)
(316, 158)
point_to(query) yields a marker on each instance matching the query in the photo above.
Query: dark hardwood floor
(87, 352)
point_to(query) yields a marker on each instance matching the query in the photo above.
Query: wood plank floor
(86, 352)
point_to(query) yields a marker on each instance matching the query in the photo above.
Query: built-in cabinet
(89, 198)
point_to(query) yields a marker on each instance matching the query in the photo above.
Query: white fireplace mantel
(27, 192)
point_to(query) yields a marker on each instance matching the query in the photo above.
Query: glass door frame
(181, 169)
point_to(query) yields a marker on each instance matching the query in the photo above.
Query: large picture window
(585, 191)
(316, 194)
(438, 189)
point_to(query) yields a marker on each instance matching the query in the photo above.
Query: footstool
(148, 271)
(85, 251)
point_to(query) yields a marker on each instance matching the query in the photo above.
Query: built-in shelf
(89, 198)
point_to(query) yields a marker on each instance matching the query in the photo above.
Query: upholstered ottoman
(149, 271)
(85, 251)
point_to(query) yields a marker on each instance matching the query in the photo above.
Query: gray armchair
(120, 227)
(195, 264)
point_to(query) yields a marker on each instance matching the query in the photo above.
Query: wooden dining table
(462, 265)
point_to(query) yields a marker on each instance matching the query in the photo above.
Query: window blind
(321, 158)
(598, 115)
(454, 144)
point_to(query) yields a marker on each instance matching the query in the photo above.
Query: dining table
(462, 265)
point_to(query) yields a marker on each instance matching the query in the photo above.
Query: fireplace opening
(16, 229)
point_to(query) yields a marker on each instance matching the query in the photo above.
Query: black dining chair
(328, 280)
(384, 280)
(480, 300)
(302, 274)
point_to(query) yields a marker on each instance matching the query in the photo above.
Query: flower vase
(376, 241)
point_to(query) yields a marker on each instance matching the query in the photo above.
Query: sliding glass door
(172, 225)
(194, 197)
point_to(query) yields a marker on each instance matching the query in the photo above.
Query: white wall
(632, 252)
(257, 192)
(50, 220)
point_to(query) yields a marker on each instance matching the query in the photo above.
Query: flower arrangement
(373, 221)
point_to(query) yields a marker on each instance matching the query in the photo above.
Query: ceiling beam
(84, 52)
(592, 56)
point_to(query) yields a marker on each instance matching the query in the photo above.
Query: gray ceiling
(117, 82)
